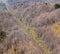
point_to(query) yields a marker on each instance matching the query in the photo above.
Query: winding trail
(30, 31)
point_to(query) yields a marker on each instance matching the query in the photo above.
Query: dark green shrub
(46, 3)
(57, 6)
(2, 35)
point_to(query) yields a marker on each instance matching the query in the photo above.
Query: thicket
(2, 35)
(57, 6)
